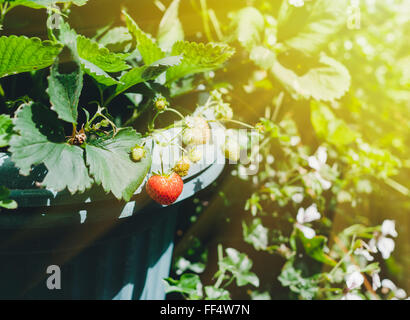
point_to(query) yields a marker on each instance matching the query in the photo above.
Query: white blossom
(386, 283)
(376, 281)
(389, 228)
(385, 246)
(309, 233)
(318, 162)
(398, 292)
(297, 197)
(364, 253)
(308, 215)
(354, 279)
(305, 216)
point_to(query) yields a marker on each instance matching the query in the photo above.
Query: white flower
(297, 197)
(309, 233)
(376, 281)
(317, 163)
(297, 3)
(398, 292)
(385, 246)
(326, 185)
(386, 283)
(364, 253)
(389, 228)
(354, 278)
(372, 245)
(306, 216)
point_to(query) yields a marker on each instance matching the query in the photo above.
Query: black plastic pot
(106, 249)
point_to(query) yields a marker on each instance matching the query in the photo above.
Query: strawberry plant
(81, 145)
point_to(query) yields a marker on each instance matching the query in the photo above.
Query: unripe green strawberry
(137, 153)
(260, 127)
(161, 103)
(198, 131)
(195, 154)
(182, 167)
(165, 189)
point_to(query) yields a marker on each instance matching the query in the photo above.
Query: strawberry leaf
(22, 54)
(197, 58)
(111, 166)
(309, 28)
(64, 91)
(149, 50)
(141, 74)
(328, 81)
(170, 29)
(100, 56)
(97, 73)
(248, 25)
(116, 38)
(40, 139)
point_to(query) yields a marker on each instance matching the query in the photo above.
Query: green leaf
(149, 50)
(249, 24)
(64, 91)
(239, 265)
(290, 277)
(70, 38)
(6, 130)
(110, 163)
(329, 127)
(170, 29)
(197, 58)
(310, 27)
(41, 139)
(262, 57)
(328, 81)
(115, 37)
(100, 56)
(189, 284)
(98, 74)
(141, 74)
(256, 234)
(315, 248)
(22, 54)
(5, 202)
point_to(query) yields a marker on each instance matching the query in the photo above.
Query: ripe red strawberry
(165, 189)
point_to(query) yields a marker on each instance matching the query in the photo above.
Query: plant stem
(222, 275)
(239, 122)
(205, 20)
(397, 186)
